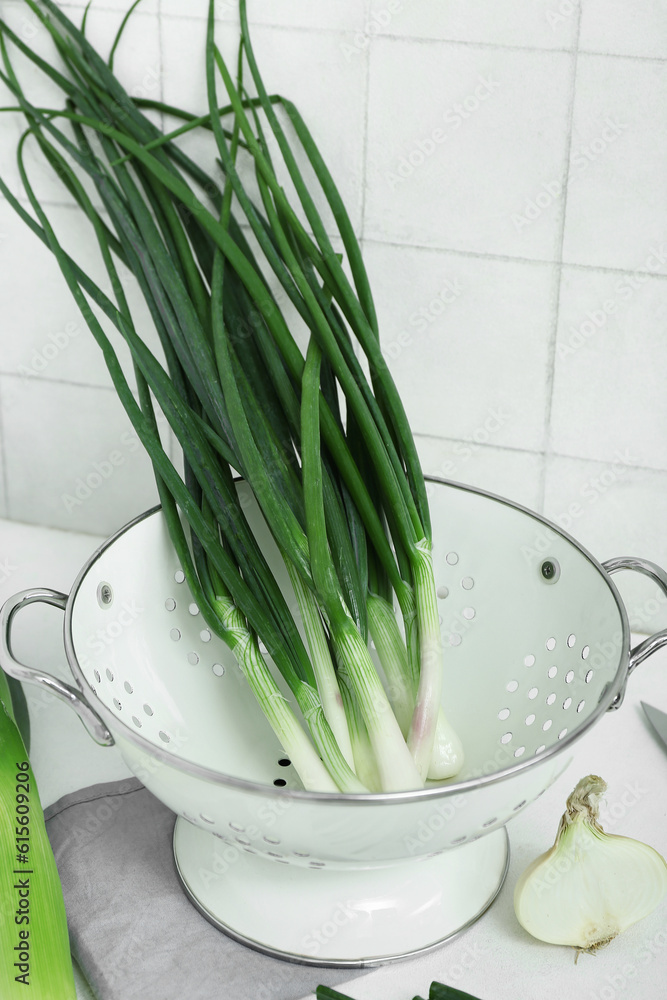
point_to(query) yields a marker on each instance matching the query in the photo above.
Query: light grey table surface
(494, 959)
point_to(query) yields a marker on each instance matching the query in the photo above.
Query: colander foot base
(339, 917)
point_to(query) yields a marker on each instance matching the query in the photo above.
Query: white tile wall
(507, 472)
(625, 29)
(440, 315)
(617, 201)
(504, 164)
(609, 399)
(72, 457)
(454, 158)
(521, 23)
(614, 509)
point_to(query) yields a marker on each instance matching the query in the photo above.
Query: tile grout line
(423, 248)
(517, 450)
(508, 258)
(420, 39)
(551, 350)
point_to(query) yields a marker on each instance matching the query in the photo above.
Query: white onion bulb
(591, 886)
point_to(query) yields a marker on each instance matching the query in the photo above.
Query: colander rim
(609, 693)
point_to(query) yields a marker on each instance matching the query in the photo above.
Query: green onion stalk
(33, 924)
(343, 498)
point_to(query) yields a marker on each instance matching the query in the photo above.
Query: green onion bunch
(327, 451)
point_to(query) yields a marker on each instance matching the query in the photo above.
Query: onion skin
(590, 886)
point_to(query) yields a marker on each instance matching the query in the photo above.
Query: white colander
(537, 648)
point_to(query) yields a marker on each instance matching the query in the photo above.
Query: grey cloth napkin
(132, 930)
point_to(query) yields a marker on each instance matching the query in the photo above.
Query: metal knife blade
(658, 720)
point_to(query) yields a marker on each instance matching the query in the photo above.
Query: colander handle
(658, 639)
(70, 695)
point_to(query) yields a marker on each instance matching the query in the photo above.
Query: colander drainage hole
(109, 674)
(148, 710)
(490, 822)
(569, 676)
(207, 819)
(571, 639)
(533, 693)
(193, 658)
(163, 736)
(562, 733)
(218, 669)
(205, 635)
(117, 704)
(284, 762)
(540, 749)
(519, 752)
(452, 558)
(585, 651)
(567, 703)
(589, 677)
(455, 639)
(519, 805)
(136, 721)
(551, 644)
(193, 609)
(547, 725)
(512, 686)
(530, 719)
(506, 738)
(503, 714)
(552, 672)
(97, 676)
(580, 706)
(175, 634)
(551, 698)
(170, 604)
(467, 583)
(459, 840)
(528, 661)
(280, 782)
(179, 576)
(128, 687)
(442, 592)
(469, 614)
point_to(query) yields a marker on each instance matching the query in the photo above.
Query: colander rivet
(549, 570)
(104, 595)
